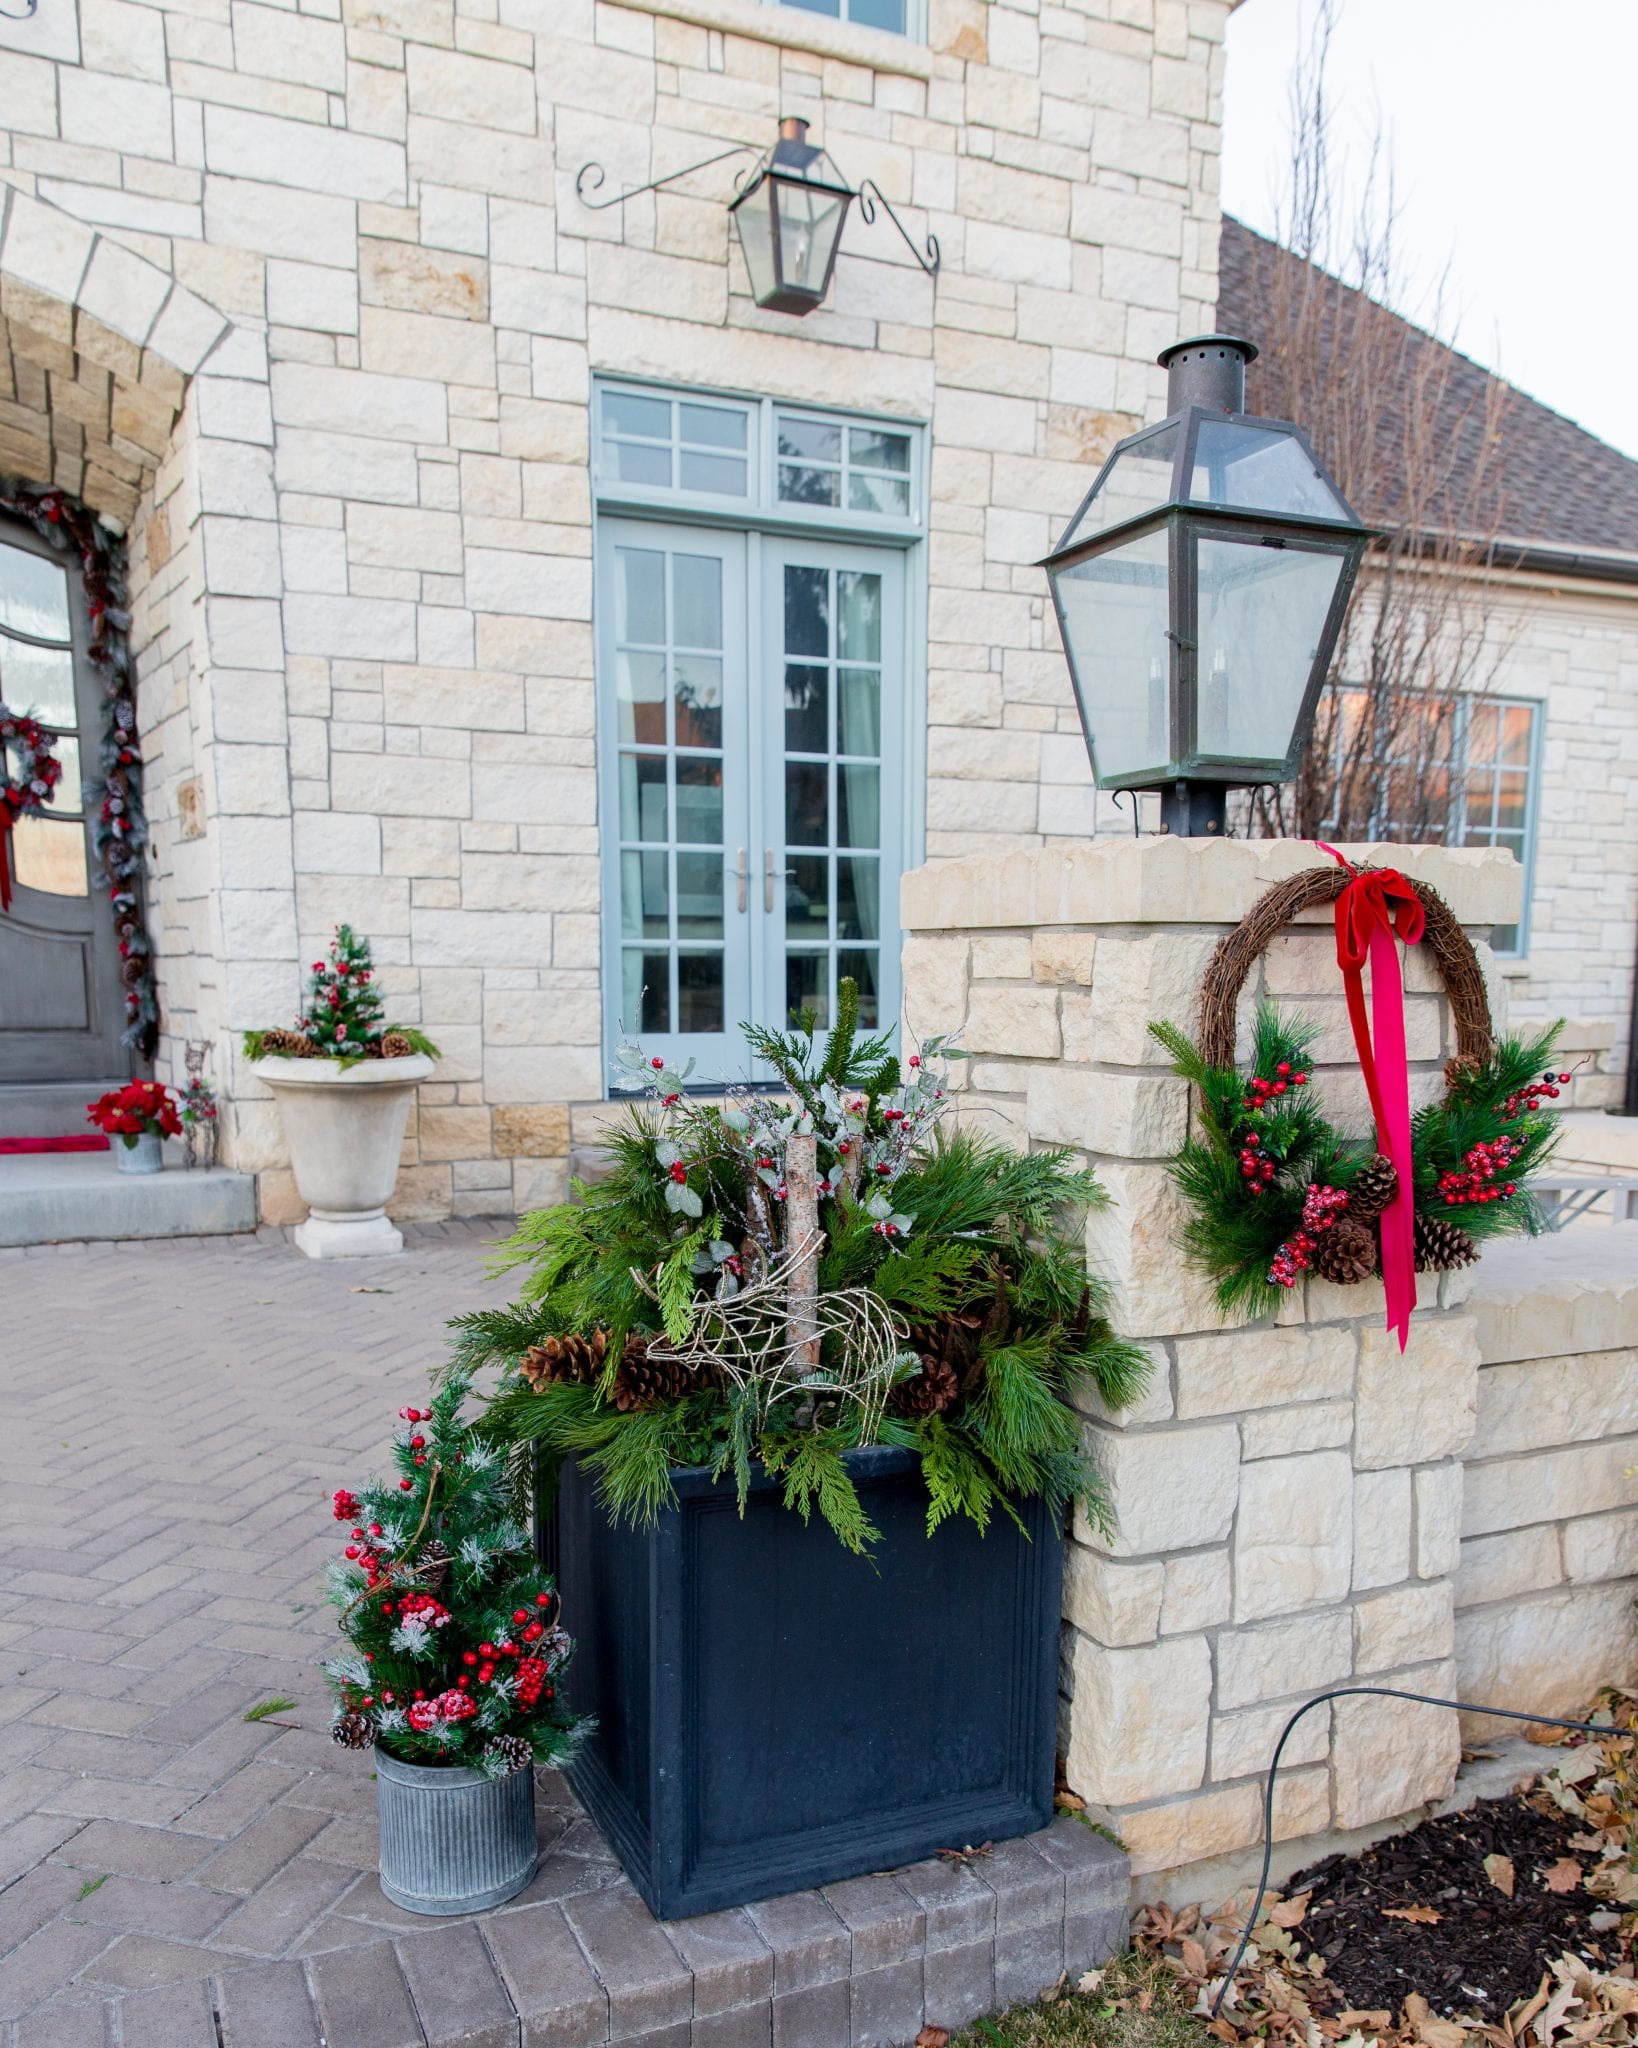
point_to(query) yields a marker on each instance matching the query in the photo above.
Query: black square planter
(774, 1713)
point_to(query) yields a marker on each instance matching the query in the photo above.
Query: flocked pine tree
(342, 1012)
(453, 1650)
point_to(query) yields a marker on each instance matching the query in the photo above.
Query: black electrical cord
(1342, 1692)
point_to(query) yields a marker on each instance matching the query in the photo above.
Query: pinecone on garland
(1375, 1186)
(578, 1359)
(293, 1044)
(1347, 1252)
(509, 1753)
(432, 1566)
(1441, 1247)
(644, 1377)
(352, 1731)
(395, 1046)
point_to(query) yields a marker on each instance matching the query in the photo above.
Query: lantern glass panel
(1261, 616)
(1114, 611)
(1261, 469)
(1138, 480)
(810, 219)
(753, 216)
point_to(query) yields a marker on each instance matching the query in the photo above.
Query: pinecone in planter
(1441, 1247)
(929, 1392)
(1347, 1252)
(294, 1044)
(644, 1377)
(579, 1359)
(1375, 1186)
(432, 1566)
(509, 1753)
(352, 1731)
(395, 1046)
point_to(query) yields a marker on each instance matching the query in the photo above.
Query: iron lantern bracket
(30, 7)
(870, 194)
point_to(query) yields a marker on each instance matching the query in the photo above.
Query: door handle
(742, 875)
(769, 875)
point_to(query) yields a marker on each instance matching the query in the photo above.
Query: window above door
(759, 462)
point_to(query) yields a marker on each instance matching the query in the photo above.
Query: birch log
(802, 1243)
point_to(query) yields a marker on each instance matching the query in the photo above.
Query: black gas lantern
(1200, 589)
(790, 218)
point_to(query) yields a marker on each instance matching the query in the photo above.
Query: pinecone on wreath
(352, 1731)
(1441, 1247)
(1347, 1252)
(578, 1359)
(509, 1753)
(1375, 1186)
(643, 1377)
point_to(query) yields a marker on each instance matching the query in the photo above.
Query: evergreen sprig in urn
(784, 1278)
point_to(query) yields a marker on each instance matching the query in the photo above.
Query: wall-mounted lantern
(789, 212)
(1200, 590)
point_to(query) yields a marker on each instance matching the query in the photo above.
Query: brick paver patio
(172, 1876)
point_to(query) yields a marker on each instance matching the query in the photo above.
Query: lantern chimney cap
(1207, 370)
(793, 148)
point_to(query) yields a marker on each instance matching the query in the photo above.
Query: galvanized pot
(452, 1840)
(144, 1154)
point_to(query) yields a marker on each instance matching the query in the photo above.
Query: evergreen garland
(1263, 1172)
(453, 1654)
(975, 1252)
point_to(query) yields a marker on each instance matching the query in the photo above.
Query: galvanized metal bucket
(452, 1840)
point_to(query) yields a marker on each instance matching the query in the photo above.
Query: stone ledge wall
(1289, 1494)
(1549, 1556)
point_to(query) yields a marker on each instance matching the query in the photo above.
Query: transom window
(826, 462)
(900, 17)
(676, 444)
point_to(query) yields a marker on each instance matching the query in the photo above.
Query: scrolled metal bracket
(590, 176)
(31, 9)
(870, 195)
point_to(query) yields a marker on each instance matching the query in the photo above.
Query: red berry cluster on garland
(1321, 1207)
(1486, 1163)
(1529, 1097)
(1260, 1093)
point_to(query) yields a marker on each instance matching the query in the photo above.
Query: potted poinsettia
(140, 1115)
(453, 1666)
(343, 1080)
(799, 1375)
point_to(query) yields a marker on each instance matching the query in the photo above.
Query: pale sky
(1512, 132)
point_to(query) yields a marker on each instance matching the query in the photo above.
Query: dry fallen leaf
(1069, 1802)
(1194, 1958)
(932, 2037)
(1424, 1916)
(1499, 1870)
(1090, 1980)
(1562, 1876)
(1289, 1912)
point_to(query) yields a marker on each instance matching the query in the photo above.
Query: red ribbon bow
(1377, 907)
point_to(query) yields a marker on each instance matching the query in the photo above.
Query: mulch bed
(1484, 1950)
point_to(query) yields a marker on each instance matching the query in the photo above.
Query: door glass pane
(807, 986)
(807, 896)
(38, 680)
(48, 854)
(858, 898)
(699, 802)
(807, 819)
(699, 700)
(807, 708)
(807, 611)
(640, 606)
(66, 796)
(639, 690)
(33, 595)
(642, 797)
(699, 992)
(699, 895)
(697, 591)
(858, 807)
(646, 987)
(859, 711)
(644, 888)
(859, 616)
(863, 963)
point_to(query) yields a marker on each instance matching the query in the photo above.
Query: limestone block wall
(1549, 1561)
(1289, 1494)
(364, 604)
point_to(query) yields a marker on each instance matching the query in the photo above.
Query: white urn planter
(345, 1130)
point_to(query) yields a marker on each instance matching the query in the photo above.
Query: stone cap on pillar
(1165, 880)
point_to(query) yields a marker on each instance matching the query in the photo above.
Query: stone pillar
(1288, 1493)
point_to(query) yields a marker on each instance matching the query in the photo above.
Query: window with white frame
(899, 17)
(755, 673)
(1467, 770)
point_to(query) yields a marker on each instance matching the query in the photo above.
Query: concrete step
(65, 1197)
(51, 1109)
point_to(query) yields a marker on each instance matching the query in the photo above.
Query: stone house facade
(306, 300)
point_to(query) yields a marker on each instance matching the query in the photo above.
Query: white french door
(753, 694)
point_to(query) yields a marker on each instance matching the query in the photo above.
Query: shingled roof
(1563, 489)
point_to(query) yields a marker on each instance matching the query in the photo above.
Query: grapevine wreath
(26, 741)
(1274, 1190)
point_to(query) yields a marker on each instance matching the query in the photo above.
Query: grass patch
(1135, 2003)
(263, 1709)
(91, 1884)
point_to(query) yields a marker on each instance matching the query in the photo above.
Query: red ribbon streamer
(1377, 906)
(5, 860)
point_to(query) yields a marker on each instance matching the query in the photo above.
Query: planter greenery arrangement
(798, 1378)
(343, 1081)
(453, 1667)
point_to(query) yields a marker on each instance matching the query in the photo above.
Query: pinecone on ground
(395, 1046)
(293, 1044)
(579, 1359)
(1441, 1247)
(352, 1731)
(509, 1753)
(432, 1566)
(1375, 1186)
(1347, 1252)
(644, 1376)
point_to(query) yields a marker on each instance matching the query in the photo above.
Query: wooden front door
(61, 1005)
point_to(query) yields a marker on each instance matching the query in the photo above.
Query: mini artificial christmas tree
(454, 1655)
(342, 1014)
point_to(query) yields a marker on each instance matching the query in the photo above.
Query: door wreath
(26, 741)
(1274, 1190)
